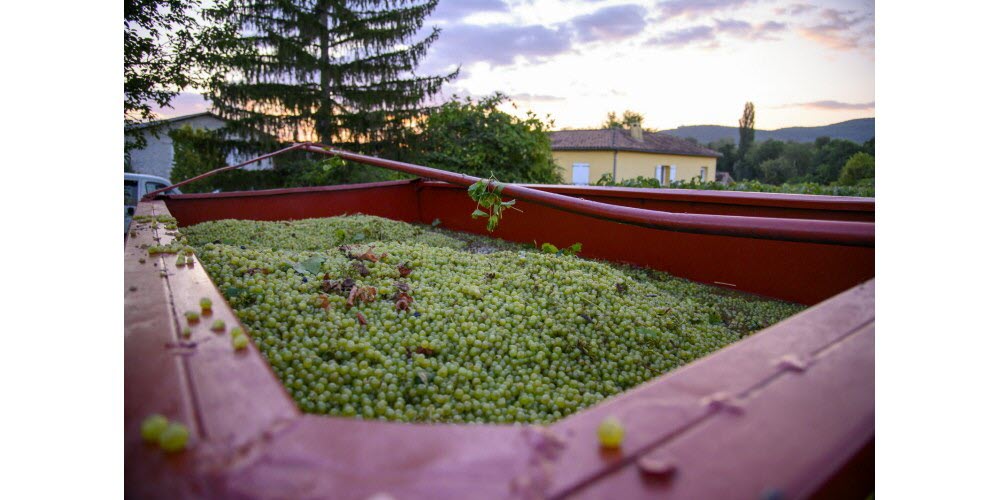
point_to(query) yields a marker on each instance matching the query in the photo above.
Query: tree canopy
(339, 72)
(629, 119)
(478, 138)
(159, 51)
(858, 167)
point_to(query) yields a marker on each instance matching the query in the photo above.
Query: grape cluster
(363, 316)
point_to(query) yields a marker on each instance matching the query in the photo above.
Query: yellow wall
(632, 164)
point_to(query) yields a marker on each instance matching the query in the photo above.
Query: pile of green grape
(368, 317)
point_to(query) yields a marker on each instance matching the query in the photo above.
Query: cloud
(694, 8)
(502, 44)
(710, 34)
(497, 45)
(185, 103)
(833, 105)
(610, 23)
(747, 31)
(795, 9)
(454, 10)
(842, 30)
(686, 36)
(537, 97)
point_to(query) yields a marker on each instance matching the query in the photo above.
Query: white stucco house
(157, 158)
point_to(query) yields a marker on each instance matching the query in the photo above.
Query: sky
(677, 62)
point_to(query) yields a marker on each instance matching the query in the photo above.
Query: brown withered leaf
(361, 268)
(368, 255)
(323, 301)
(361, 294)
(403, 301)
(361, 318)
(622, 288)
(426, 351)
(343, 286)
(403, 287)
(404, 271)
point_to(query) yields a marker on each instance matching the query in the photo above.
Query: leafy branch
(486, 193)
(573, 249)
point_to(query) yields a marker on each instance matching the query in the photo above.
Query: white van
(136, 186)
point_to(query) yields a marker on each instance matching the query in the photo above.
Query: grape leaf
(479, 213)
(312, 265)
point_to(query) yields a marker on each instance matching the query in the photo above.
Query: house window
(673, 173)
(704, 174)
(581, 174)
(658, 174)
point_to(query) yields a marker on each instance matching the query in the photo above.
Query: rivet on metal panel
(793, 363)
(723, 401)
(658, 463)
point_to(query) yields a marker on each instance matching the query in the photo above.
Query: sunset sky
(678, 62)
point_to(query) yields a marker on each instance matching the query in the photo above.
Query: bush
(776, 171)
(197, 151)
(858, 167)
(800, 188)
(640, 182)
(477, 138)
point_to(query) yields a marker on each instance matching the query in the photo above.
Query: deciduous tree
(478, 138)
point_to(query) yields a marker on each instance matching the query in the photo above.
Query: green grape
(173, 438)
(489, 331)
(153, 426)
(240, 342)
(610, 432)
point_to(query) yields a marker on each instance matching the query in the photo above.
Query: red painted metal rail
(846, 233)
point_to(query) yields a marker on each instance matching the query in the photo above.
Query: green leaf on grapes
(549, 248)
(436, 223)
(312, 265)
(479, 213)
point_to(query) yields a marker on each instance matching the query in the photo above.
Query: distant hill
(859, 131)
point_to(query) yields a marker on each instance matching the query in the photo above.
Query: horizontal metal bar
(800, 230)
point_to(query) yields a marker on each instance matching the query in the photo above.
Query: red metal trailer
(786, 413)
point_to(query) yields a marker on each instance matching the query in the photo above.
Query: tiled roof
(173, 120)
(621, 140)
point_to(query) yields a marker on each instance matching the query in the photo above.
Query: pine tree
(338, 72)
